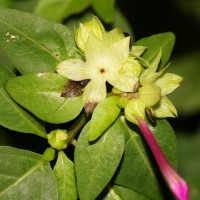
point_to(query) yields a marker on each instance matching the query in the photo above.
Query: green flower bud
(83, 31)
(132, 66)
(122, 102)
(58, 139)
(150, 94)
(134, 108)
(49, 154)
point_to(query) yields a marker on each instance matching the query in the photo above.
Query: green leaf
(137, 171)
(4, 60)
(96, 163)
(103, 116)
(11, 115)
(57, 10)
(31, 179)
(187, 66)
(120, 193)
(105, 9)
(34, 44)
(65, 176)
(163, 41)
(41, 94)
(24, 5)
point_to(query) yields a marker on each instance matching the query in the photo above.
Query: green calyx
(58, 139)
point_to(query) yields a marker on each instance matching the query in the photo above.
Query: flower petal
(109, 57)
(164, 108)
(123, 82)
(113, 36)
(168, 83)
(94, 93)
(149, 74)
(73, 69)
(117, 54)
(94, 50)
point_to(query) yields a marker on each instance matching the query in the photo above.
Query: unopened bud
(132, 66)
(135, 108)
(150, 94)
(49, 154)
(122, 102)
(83, 31)
(58, 139)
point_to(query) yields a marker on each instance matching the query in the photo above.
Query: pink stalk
(177, 185)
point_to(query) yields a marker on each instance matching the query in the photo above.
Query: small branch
(76, 127)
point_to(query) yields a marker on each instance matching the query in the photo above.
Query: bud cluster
(109, 59)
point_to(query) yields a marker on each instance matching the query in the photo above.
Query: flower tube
(177, 185)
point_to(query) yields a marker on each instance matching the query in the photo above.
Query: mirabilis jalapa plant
(141, 92)
(114, 98)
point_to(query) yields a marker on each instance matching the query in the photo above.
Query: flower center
(102, 71)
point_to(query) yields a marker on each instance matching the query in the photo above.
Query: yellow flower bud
(134, 108)
(83, 31)
(150, 94)
(132, 66)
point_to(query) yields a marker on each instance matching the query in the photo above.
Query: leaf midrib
(20, 179)
(16, 108)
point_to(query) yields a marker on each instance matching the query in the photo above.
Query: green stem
(76, 127)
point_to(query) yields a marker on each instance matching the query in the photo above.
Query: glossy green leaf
(24, 5)
(34, 44)
(137, 170)
(4, 60)
(41, 94)
(12, 116)
(103, 116)
(105, 9)
(96, 163)
(57, 10)
(186, 97)
(24, 175)
(65, 176)
(163, 41)
(120, 193)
